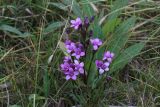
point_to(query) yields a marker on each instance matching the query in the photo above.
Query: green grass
(29, 33)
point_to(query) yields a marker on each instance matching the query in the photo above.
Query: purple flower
(108, 56)
(65, 66)
(69, 70)
(102, 66)
(67, 59)
(76, 23)
(79, 66)
(78, 51)
(96, 43)
(72, 74)
(70, 46)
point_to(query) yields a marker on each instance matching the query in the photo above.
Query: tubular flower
(102, 66)
(76, 23)
(78, 51)
(108, 56)
(79, 66)
(96, 43)
(70, 46)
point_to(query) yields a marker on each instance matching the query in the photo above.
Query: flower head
(71, 69)
(71, 75)
(79, 66)
(108, 56)
(96, 43)
(76, 23)
(78, 51)
(67, 59)
(70, 46)
(102, 66)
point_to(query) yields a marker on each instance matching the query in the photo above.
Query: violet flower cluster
(73, 65)
(72, 69)
(103, 65)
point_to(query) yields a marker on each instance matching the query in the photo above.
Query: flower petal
(76, 27)
(81, 64)
(101, 71)
(82, 53)
(73, 21)
(95, 47)
(77, 56)
(68, 77)
(107, 69)
(76, 73)
(107, 64)
(78, 20)
(74, 77)
(81, 70)
(76, 62)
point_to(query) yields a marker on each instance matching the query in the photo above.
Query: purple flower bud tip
(92, 18)
(86, 21)
(109, 78)
(76, 23)
(96, 43)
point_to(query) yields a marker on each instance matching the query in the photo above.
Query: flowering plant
(93, 55)
(80, 62)
(73, 64)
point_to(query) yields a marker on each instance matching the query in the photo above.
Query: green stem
(91, 63)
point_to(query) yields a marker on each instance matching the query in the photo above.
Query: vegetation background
(30, 35)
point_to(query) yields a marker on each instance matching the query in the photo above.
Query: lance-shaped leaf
(121, 36)
(126, 56)
(113, 19)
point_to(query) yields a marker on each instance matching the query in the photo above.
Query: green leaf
(76, 9)
(67, 2)
(87, 9)
(97, 31)
(14, 30)
(59, 5)
(110, 26)
(46, 83)
(36, 97)
(53, 26)
(126, 56)
(117, 8)
(10, 29)
(91, 74)
(14, 105)
(113, 19)
(120, 36)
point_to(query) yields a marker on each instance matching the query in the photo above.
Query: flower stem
(91, 62)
